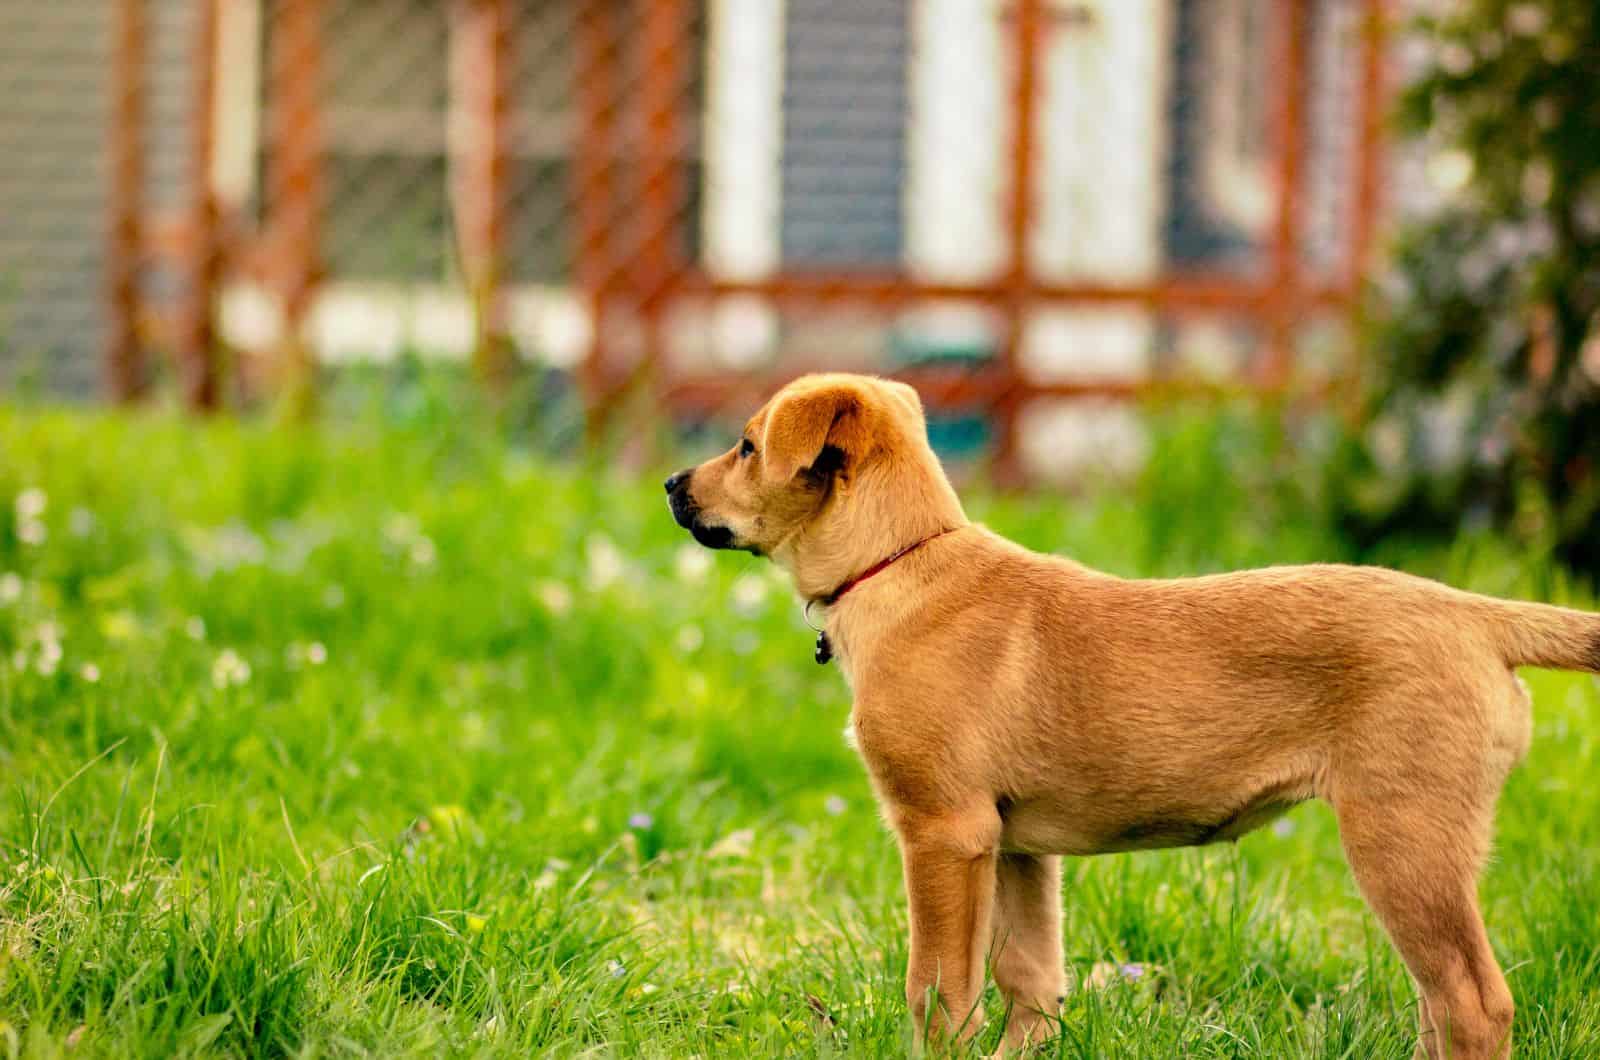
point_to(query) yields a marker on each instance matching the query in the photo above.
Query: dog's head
(835, 470)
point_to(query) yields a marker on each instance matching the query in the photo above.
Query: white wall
(1102, 133)
(743, 139)
(956, 187)
(1098, 196)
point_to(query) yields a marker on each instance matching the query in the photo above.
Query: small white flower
(1456, 59)
(1450, 170)
(90, 673)
(31, 532)
(195, 627)
(1283, 828)
(605, 562)
(10, 587)
(1387, 440)
(690, 638)
(401, 527)
(735, 844)
(49, 657)
(835, 805)
(544, 881)
(316, 653)
(229, 669)
(616, 968)
(692, 563)
(422, 552)
(1525, 20)
(556, 597)
(642, 821)
(30, 504)
(647, 988)
(235, 545)
(749, 594)
(80, 522)
(1537, 181)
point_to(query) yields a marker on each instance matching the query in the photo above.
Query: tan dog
(1012, 707)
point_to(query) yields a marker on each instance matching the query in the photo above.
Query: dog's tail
(1559, 638)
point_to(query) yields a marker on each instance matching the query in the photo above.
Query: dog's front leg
(949, 861)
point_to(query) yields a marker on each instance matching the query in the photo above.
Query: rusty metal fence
(1021, 205)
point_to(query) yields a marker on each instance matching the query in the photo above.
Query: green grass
(515, 770)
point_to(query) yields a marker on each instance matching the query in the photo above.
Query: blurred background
(1061, 219)
(358, 694)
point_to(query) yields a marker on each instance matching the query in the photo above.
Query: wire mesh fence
(52, 180)
(1036, 209)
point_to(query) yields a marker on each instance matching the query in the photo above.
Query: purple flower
(641, 821)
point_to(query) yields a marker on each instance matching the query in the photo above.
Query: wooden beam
(1202, 294)
(597, 93)
(480, 127)
(664, 42)
(124, 368)
(942, 389)
(295, 184)
(1027, 35)
(1369, 156)
(1290, 64)
(201, 260)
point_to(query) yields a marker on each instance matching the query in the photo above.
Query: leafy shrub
(1481, 397)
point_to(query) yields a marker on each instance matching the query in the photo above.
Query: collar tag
(824, 646)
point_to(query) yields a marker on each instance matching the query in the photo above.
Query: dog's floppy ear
(802, 424)
(907, 396)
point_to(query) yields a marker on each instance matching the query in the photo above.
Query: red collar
(878, 567)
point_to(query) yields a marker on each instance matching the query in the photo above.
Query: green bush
(1481, 390)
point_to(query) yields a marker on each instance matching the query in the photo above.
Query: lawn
(369, 739)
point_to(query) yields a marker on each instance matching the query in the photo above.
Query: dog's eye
(746, 447)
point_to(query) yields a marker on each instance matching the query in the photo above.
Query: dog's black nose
(674, 481)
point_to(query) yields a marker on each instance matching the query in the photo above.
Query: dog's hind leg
(1026, 953)
(949, 862)
(1416, 862)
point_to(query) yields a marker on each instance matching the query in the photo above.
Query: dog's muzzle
(687, 514)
